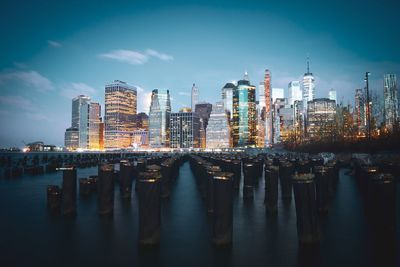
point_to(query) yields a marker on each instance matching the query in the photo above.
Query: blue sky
(51, 52)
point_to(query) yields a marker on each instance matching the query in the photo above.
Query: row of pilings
(153, 176)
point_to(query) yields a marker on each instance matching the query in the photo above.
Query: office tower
(71, 138)
(94, 119)
(244, 114)
(121, 103)
(298, 120)
(195, 96)
(268, 108)
(185, 129)
(84, 126)
(332, 95)
(279, 104)
(218, 133)
(277, 93)
(321, 114)
(308, 87)
(360, 118)
(227, 98)
(391, 105)
(77, 102)
(294, 90)
(203, 110)
(261, 116)
(159, 118)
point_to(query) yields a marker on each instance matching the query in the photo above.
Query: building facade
(159, 118)
(391, 104)
(244, 114)
(218, 133)
(120, 108)
(268, 128)
(184, 129)
(71, 138)
(360, 115)
(321, 115)
(227, 99)
(294, 91)
(332, 95)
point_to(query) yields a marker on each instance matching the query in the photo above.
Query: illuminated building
(286, 120)
(140, 138)
(77, 102)
(203, 110)
(294, 91)
(268, 108)
(360, 118)
(244, 114)
(94, 119)
(308, 87)
(261, 116)
(279, 104)
(391, 105)
(298, 120)
(71, 138)
(218, 133)
(159, 118)
(321, 114)
(185, 129)
(141, 121)
(227, 98)
(195, 96)
(120, 108)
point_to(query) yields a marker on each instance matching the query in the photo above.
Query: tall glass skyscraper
(244, 114)
(227, 98)
(94, 126)
(159, 118)
(120, 108)
(77, 102)
(308, 86)
(218, 133)
(390, 100)
(360, 117)
(294, 91)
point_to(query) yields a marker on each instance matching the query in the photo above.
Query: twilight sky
(51, 52)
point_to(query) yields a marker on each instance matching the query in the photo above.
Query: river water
(29, 236)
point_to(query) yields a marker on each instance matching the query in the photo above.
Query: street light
(368, 107)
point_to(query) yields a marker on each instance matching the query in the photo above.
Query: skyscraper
(94, 120)
(332, 95)
(360, 118)
(184, 129)
(195, 96)
(77, 102)
(218, 133)
(321, 118)
(120, 108)
(227, 98)
(294, 91)
(159, 118)
(244, 114)
(268, 108)
(390, 100)
(203, 110)
(308, 86)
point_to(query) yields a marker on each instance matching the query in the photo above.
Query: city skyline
(40, 75)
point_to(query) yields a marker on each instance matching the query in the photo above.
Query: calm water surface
(29, 236)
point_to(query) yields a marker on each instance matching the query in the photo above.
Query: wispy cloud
(29, 78)
(135, 57)
(37, 116)
(162, 56)
(17, 101)
(72, 90)
(184, 93)
(54, 43)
